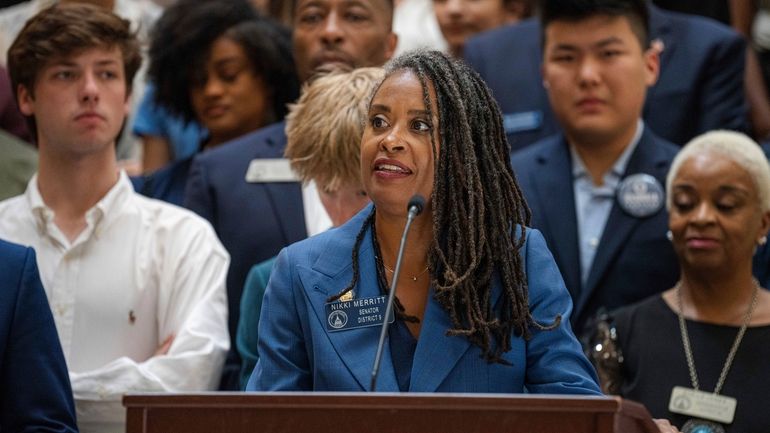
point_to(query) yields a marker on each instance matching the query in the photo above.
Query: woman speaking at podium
(480, 306)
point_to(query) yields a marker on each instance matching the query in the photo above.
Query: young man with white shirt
(137, 287)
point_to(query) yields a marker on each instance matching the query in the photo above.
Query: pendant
(696, 425)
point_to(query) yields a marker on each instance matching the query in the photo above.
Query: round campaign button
(641, 195)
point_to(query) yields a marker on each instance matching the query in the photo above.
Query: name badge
(524, 121)
(270, 170)
(357, 313)
(706, 405)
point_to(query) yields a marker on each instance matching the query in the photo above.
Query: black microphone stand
(415, 206)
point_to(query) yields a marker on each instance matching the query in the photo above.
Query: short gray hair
(734, 146)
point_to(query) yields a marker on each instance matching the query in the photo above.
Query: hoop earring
(669, 236)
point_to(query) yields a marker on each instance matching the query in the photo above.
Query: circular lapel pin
(641, 195)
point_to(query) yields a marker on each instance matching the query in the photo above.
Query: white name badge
(705, 405)
(270, 170)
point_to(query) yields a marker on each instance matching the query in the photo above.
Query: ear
(127, 106)
(390, 45)
(651, 66)
(764, 226)
(26, 100)
(546, 83)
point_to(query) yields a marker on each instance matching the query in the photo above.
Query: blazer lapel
(555, 201)
(357, 347)
(436, 353)
(620, 224)
(285, 197)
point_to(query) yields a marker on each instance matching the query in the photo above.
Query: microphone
(414, 208)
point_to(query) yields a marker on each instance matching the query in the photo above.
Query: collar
(619, 168)
(104, 211)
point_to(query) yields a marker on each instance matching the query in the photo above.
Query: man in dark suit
(243, 188)
(700, 87)
(35, 393)
(596, 190)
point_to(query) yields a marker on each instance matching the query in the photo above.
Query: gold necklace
(414, 277)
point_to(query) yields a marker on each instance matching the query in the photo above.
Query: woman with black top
(698, 354)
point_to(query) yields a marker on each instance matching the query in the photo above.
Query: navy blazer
(700, 87)
(166, 183)
(253, 220)
(35, 393)
(297, 353)
(634, 259)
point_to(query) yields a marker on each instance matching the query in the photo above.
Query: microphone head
(417, 202)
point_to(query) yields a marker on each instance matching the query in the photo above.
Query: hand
(163, 348)
(665, 427)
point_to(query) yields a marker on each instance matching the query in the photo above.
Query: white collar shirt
(316, 218)
(140, 271)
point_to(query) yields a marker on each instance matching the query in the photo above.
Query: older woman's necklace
(708, 407)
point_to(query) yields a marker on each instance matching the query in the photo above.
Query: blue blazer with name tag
(253, 220)
(35, 393)
(700, 87)
(296, 352)
(634, 259)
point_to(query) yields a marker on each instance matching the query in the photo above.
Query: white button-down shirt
(140, 271)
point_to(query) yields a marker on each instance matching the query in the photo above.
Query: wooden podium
(381, 412)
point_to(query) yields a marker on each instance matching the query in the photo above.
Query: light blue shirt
(593, 203)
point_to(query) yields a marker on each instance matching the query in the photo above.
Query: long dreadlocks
(479, 212)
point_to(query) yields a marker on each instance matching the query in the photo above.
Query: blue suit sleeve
(283, 364)
(198, 196)
(723, 99)
(555, 361)
(34, 387)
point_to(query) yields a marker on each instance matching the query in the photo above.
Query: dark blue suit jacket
(296, 352)
(35, 393)
(253, 220)
(700, 87)
(167, 183)
(634, 259)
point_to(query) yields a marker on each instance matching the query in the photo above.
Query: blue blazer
(700, 86)
(297, 353)
(253, 220)
(35, 393)
(634, 259)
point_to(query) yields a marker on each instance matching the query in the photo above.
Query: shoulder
(14, 213)
(535, 252)
(15, 262)
(331, 250)
(649, 310)
(171, 222)
(272, 136)
(12, 256)
(693, 29)
(662, 147)
(520, 34)
(537, 152)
